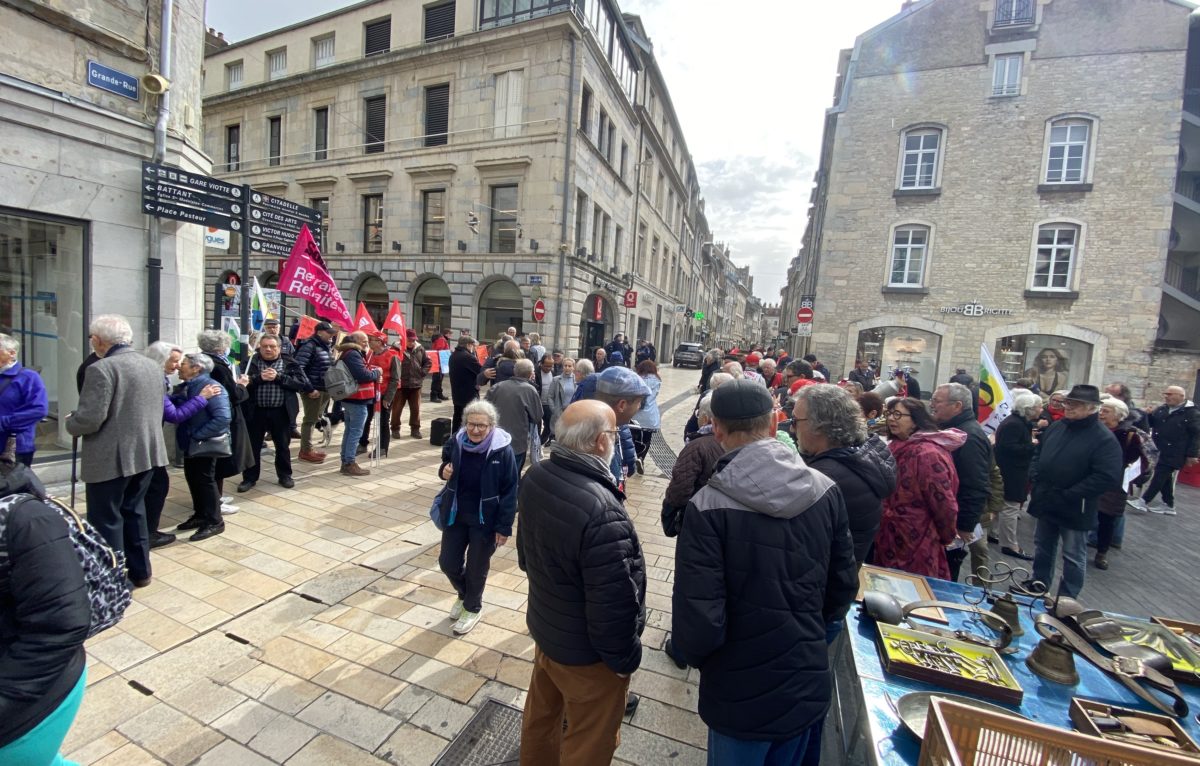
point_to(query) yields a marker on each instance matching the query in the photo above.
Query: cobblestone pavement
(315, 630)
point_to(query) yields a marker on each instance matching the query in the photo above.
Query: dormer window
(1015, 13)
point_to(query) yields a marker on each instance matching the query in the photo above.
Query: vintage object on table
(904, 586)
(913, 708)
(1054, 661)
(1119, 724)
(1003, 631)
(1189, 633)
(948, 662)
(956, 734)
(1005, 605)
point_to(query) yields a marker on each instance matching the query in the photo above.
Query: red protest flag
(308, 325)
(395, 320)
(363, 321)
(306, 276)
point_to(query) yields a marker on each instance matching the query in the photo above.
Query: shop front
(431, 307)
(892, 348)
(596, 325)
(44, 269)
(500, 306)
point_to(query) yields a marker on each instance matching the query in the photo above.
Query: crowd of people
(788, 482)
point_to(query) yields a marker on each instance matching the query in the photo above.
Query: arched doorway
(373, 294)
(431, 307)
(596, 324)
(500, 306)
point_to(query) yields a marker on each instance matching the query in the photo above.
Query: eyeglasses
(613, 431)
(478, 426)
(897, 414)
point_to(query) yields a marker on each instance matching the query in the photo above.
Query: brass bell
(1010, 611)
(1052, 660)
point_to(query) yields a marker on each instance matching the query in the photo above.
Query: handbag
(435, 510)
(214, 446)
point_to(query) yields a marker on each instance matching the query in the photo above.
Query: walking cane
(377, 444)
(74, 458)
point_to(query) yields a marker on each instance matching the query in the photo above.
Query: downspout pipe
(563, 289)
(154, 255)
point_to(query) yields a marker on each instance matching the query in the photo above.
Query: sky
(750, 89)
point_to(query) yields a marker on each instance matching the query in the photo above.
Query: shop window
(1043, 363)
(892, 349)
(431, 307)
(500, 307)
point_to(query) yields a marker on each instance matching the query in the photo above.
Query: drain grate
(491, 738)
(661, 453)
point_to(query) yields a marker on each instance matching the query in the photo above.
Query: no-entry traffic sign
(539, 310)
(804, 315)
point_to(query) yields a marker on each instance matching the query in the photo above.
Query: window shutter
(376, 108)
(437, 114)
(378, 37)
(500, 107)
(439, 22)
(516, 102)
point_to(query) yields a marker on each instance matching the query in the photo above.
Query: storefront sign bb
(976, 309)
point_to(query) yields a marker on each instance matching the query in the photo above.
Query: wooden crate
(1083, 722)
(957, 735)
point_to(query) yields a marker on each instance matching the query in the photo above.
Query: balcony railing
(1183, 278)
(1014, 13)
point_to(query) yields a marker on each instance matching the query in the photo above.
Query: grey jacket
(120, 417)
(519, 405)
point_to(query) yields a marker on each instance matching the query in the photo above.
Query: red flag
(308, 325)
(363, 321)
(306, 276)
(395, 320)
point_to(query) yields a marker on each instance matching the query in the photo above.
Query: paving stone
(98, 748)
(105, 705)
(360, 683)
(335, 585)
(294, 657)
(515, 672)
(204, 657)
(281, 738)
(442, 716)
(424, 534)
(369, 624)
(644, 747)
(120, 650)
(282, 691)
(350, 720)
(169, 734)
(439, 677)
(390, 555)
(156, 629)
(130, 755)
(230, 753)
(445, 648)
(205, 700)
(670, 721)
(671, 691)
(272, 619)
(245, 721)
(411, 746)
(331, 751)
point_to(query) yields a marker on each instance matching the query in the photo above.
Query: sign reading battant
(171, 192)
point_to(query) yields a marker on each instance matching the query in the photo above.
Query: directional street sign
(172, 175)
(169, 192)
(189, 215)
(274, 223)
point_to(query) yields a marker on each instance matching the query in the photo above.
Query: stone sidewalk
(315, 631)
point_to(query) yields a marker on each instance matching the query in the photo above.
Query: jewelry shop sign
(975, 309)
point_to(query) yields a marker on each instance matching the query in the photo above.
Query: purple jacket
(23, 404)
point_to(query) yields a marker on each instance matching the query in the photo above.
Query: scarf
(483, 447)
(595, 461)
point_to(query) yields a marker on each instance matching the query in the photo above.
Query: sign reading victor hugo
(171, 192)
(274, 223)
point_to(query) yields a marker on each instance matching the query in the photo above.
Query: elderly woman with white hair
(192, 436)
(692, 427)
(476, 508)
(215, 345)
(1113, 412)
(693, 468)
(23, 400)
(1014, 454)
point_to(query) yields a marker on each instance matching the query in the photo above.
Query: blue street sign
(109, 79)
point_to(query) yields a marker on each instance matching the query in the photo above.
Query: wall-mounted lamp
(339, 247)
(581, 252)
(462, 246)
(396, 246)
(533, 245)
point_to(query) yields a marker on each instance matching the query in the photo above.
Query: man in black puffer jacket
(314, 357)
(951, 405)
(587, 593)
(832, 436)
(764, 563)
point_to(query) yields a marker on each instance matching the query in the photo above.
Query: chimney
(904, 6)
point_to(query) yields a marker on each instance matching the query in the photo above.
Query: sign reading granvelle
(976, 309)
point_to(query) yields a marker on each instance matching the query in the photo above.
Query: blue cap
(621, 381)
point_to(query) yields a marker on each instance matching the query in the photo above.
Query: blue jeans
(39, 746)
(1074, 543)
(730, 751)
(1118, 532)
(356, 420)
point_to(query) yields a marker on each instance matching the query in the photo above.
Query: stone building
(1005, 173)
(77, 122)
(469, 159)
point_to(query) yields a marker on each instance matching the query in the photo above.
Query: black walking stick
(74, 458)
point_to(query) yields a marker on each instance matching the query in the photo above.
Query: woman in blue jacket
(212, 421)
(23, 401)
(478, 505)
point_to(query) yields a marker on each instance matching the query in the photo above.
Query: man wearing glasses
(1079, 459)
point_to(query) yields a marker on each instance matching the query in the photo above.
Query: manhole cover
(491, 738)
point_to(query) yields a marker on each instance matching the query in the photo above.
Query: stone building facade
(1004, 173)
(470, 160)
(76, 125)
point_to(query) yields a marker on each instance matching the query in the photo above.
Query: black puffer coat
(464, 367)
(764, 562)
(973, 464)
(1077, 461)
(1176, 434)
(1014, 453)
(44, 614)
(865, 476)
(587, 576)
(315, 358)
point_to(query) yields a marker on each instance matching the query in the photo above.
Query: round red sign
(539, 310)
(804, 316)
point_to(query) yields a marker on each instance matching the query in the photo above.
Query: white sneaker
(456, 610)
(227, 499)
(228, 509)
(466, 622)
(1137, 504)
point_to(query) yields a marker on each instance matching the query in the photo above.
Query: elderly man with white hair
(520, 409)
(1014, 453)
(120, 419)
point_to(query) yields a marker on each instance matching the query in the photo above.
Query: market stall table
(863, 726)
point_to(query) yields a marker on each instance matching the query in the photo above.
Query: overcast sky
(750, 83)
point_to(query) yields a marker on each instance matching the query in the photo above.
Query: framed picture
(904, 586)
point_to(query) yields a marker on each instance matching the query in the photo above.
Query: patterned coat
(919, 518)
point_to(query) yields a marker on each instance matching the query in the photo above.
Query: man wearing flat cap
(763, 565)
(1077, 461)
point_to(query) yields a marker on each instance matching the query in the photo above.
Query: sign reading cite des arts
(975, 309)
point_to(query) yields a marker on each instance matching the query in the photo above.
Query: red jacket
(388, 361)
(440, 344)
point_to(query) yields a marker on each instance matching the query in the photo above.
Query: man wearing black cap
(1078, 460)
(314, 358)
(271, 327)
(764, 564)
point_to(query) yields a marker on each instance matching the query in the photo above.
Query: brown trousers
(412, 397)
(592, 697)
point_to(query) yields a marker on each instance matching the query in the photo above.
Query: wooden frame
(904, 586)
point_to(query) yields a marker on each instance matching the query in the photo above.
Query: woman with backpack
(44, 619)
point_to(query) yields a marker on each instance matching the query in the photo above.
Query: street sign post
(804, 330)
(804, 316)
(539, 310)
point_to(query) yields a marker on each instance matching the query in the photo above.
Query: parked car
(688, 354)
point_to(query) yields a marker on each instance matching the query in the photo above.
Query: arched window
(431, 307)
(373, 293)
(921, 157)
(1069, 144)
(910, 254)
(500, 306)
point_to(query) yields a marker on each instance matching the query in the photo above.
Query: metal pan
(913, 709)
